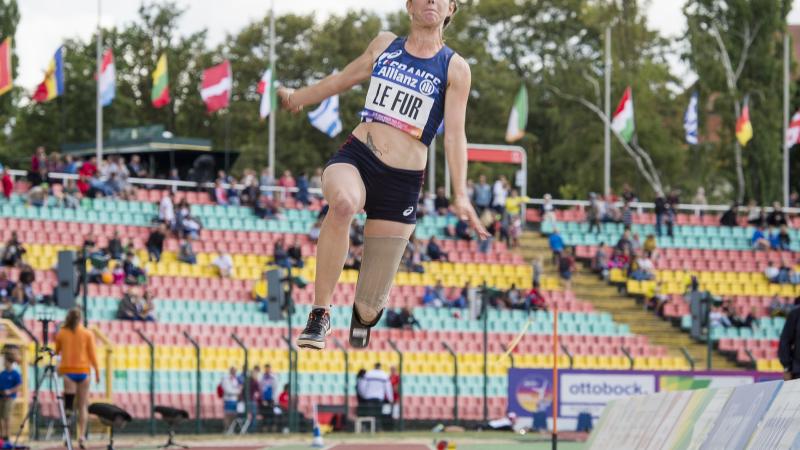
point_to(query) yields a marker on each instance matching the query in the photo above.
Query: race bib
(396, 105)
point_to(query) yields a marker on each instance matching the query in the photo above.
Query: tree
(736, 50)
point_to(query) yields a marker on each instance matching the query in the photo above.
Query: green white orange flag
(744, 128)
(519, 117)
(622, 121)
(160, 94)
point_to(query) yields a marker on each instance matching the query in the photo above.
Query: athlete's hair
(449, 18)
(74, 317)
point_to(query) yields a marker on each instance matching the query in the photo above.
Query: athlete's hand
(463, 208)
(285, 95)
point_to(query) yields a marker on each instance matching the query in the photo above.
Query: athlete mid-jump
(416, 82)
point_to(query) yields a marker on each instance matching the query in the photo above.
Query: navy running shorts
(392, 194)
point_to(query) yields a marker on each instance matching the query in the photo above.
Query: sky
(45, 24)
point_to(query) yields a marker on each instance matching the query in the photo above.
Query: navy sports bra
(407, 92)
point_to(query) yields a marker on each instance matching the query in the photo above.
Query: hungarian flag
(793, 132)
(518, 119)
(6, 76)
(622, 121)
(744, 128)
(159, 96)
(53, 84)
(266, 87)
(216, 86)
(107, 78)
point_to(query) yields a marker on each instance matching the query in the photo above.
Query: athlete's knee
(343, 207)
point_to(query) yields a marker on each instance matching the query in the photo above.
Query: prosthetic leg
(379, 265)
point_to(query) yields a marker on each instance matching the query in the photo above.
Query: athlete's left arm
(455, 139)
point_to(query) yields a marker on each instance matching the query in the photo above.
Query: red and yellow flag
(744, 128)
(6, 76)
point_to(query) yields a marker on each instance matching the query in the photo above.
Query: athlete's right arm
(356, 72)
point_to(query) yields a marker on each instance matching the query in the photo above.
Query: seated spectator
(302, 189)
(434, 296)
(776, 218)
(403, 319)
(620, 259)
(659, 299)
(134, 274)
(759, 241)
(69, 196)
(136, 168)
(251, 192)
(650, 246)
(155, 242)
(755, 215)
(280, 254)
(566, 267)
(460, 230)
(636, 244)
(267, 207)
(515, 298)
(556, 245)
(642, 269)
(129, 305)
(412, 257)
(748, 321)
(166, 210)
(625, 242)
(186, 253)
(114, 248)
(224, 263)
(99, 271)
(313, 234)
(37, 195)
(599, 263)
(730, 217)
(6, 286)
(514, 231)
(780, 239)
(234, 196)
(287, 182)
(535, 300)
(784, 273)
(462, 300)
(441, 203)
(717, 318)
(11, 255)
(771, 272)
(435, 252)
(315, 182)
(190, 227)
(8, 183)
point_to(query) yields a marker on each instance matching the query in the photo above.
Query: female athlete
(416, 82)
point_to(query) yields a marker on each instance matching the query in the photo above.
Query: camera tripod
(48, 374)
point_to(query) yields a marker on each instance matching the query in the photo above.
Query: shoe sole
(313, 344)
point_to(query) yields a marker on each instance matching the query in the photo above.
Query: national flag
(622, 121)
(159, 96)
(269, 97)
(690, 120)
(518, 120)
(107, 80)
(793, 132)
(6, 75)
(216, 86)
(53, 84)
(326, 117)
(744, 128)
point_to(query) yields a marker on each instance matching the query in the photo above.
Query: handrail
(752, 358)
(198, 385)
(688, 357)
(569, 355)
(109, 349)
(339, 345)
(245, 379)
(455, 380)
(394, 346)
(510, 354)
(152, 381)
(628, 355)
(691, 207)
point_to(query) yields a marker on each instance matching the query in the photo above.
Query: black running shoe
(359, 331)
(317, 328)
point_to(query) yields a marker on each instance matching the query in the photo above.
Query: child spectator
(10, 383)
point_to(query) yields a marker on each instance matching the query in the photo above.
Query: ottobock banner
(531, 390)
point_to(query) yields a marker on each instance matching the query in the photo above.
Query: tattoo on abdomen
(371, 145)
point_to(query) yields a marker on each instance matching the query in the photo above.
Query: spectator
(777, 308)
(220, 193)
(627, 215)
(515, 298)
(462, 300)
(114, 248)
(37, 195)
(566, 267)
(650, 246)
(266, 180)
(234, 197)
(186, 252)
(313, 234)
(700, 200)
(376, 387)
(231, 389)
(134, 274)
(780, 240)
(434, 296)
(460, 230)
(748, 321)
(38, 161)
(600, 261)
(428, 207)
(6, 286)
(71, 165)
(730, 217)
(756, 215)
(254, 396)
(535, 300)
(130, 306)
(283, 399)
(771, 272)
(190, 227)
(608, 209)
(260, 292)
(224, 263)
(759, 241)
(717, 318)
(625, 243)
(8, 184)
(302, 190)
(482, 195)
(556, 245)
(642, 269)
(136, 168)
(636, 244)
(155, 242)
(267, 207)
(251, 192)
(537, 266)
(593, 213)
(316, 180)
(548, 211)
(10, 384)
(267, 388)
(404, 319)
(435, 252)
(789, 344)
(776, 218)
(628, 195)
(412, 257)
(394, 379)
(499, 194)
(69, 196)
(441, 203)
(166, 210)
(664, 214)
(12, 252)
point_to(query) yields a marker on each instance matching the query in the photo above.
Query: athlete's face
(429, 12)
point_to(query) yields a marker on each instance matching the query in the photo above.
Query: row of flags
(215, 88)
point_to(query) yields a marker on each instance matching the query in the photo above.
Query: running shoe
(317, 328)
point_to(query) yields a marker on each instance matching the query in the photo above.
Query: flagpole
(786, 145)
(607, 128)
(99, 116)
(269, 90)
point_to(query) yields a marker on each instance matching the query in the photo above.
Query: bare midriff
(394, 147)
